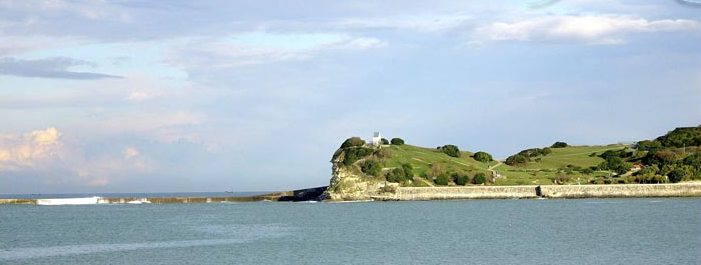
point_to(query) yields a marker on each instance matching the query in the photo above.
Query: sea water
(587, 231)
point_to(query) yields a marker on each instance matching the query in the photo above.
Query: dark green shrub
(442, 179)
(681, 137)
(647, 145)
(384, 141)
(397, 141)
(353, 141)
(587, 171)
(482, 156)
(408, 170)
(678, 174)
(615, 164)
(559, 145)
(460, 179)
(479, 178)
(546, 151)
(371, 167)
(395, 175)
(516, 160)
(451, 150)
(353, 154)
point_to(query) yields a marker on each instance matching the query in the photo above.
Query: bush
(355, 153)
(353, 141)
(559, 145)
(395, 175)
(616, 164)
(676, 175)
(479, 178)
(397, 141)
(442, 179)
(516, 160)
(408, 170)
(482, 156)
(546, 151)
(451, 150)
(384, 141)
(587, 171)
(405, 172)
(460, 179)
(371, 167)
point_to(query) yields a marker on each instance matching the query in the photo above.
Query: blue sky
(156, 96)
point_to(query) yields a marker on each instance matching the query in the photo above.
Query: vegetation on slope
(671, 158)
(412, 165)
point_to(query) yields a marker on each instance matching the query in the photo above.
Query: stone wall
(623, 190)
(547, 191)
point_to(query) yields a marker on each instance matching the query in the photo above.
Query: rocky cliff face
(348, 183)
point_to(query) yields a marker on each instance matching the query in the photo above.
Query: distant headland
(382, 169)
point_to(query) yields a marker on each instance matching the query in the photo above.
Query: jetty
(309, 194)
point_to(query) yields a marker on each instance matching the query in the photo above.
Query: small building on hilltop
(376, 139)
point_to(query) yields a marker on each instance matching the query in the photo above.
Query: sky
(168, 96)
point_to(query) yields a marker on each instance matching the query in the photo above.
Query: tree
(384, 141)
(353, 141)
(442, 179)
(397, 141)
(451, 150)
(482, 156)
(479, 178)
(371, 167)
(559, 145)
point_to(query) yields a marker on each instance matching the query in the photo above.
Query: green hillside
(673, 157)
(423, 159)
(568, 161)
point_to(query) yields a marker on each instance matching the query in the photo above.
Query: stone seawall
(623, 190)
(458, 193)
(546, 191)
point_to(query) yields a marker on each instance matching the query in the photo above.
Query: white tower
(376, 139)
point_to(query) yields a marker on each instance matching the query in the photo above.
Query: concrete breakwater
(162, 200)
(295, 195)
(544, 191)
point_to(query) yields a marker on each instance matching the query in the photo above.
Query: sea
(552, 231)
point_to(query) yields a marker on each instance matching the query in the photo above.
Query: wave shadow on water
(253, 234)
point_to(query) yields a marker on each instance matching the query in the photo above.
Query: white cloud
(233, 53)
(138, 96)
(130, 152)
(25, 150)
(435, 23)
(606, 29)
(55, 160)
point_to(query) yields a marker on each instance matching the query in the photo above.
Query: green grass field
(545, 170)
(421, 158)
(540, 172)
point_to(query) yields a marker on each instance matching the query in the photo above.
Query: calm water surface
(597, 231)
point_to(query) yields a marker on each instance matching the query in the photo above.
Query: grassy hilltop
(673, 157)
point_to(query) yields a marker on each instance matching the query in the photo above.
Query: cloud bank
(56, 67)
